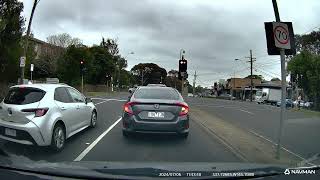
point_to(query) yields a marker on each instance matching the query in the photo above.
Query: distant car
(156, 110)
(157, 85)
(45, 114)
(227, 96)
(308, 104)
(190, 95)
(289, 103)
(295, 103)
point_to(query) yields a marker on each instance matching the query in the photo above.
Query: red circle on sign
(285, 31)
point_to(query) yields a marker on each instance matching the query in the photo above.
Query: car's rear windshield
(156, 93)
(24, 95)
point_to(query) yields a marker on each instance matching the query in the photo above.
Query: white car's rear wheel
(58, 138)
(94, 119)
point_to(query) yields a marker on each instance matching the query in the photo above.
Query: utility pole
(251, 78)
(194, 82)
(142, 74)
(111, 84)
(118, 77)
(25, 49)
(283, 84)
(82, 83)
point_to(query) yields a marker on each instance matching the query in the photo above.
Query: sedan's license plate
(156, 114)
(10, 132)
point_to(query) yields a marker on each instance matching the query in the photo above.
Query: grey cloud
(212, 35)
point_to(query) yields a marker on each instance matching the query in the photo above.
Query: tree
(309, 42)
(275, 79)
(150, 73)
(306, 67)
(69, 64)
(63, 40)
(111, 45)
(11, 28)
(172, 79)
(102, 64)
(255, 77)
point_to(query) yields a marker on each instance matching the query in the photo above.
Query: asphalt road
(300, 133)
(106, 143)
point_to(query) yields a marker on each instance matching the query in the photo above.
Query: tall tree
(150, 73)
(306, 67)
(309, 42)
(69, 64)
(64, 40)
(11, 28)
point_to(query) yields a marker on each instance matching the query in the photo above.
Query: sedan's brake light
(184, 109)
(37, 111)
(127, 107)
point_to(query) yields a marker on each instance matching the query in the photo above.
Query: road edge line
(282, 147)
(95, 142)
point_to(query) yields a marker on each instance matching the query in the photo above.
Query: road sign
(31, 67)
(271, 39)
(22, 61)
(281, 35)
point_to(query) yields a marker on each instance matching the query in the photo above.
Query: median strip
(243, 143)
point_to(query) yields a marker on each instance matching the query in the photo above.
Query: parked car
(295, 103)
(190, 95)
(308, 104)
(45, 114)
(227, 96)
(289, 103)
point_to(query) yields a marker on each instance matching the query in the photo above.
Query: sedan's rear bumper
(131, 124)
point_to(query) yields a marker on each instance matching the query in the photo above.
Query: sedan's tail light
(184, 109)
(37, 111)
(127, 107)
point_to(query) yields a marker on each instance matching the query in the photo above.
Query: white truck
(268, 95)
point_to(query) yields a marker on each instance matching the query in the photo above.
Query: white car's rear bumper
(25, 133)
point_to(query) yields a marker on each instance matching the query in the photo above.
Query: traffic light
(82, 68)
(183, 65)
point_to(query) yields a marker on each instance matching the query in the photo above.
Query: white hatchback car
(45, 114)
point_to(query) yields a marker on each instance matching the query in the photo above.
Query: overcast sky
(212, 32)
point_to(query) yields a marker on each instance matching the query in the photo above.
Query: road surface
(106, 143)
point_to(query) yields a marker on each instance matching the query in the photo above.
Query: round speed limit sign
(281, 35)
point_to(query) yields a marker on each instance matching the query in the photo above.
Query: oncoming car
(44, 114)
(156, 110)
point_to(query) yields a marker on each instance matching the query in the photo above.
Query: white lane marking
(246, 111)
(106, 100)
(282, 147)
(95, 142)
(99, 98)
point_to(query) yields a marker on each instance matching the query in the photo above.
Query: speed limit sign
(281, 35)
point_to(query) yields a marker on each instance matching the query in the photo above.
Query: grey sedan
(156, 110)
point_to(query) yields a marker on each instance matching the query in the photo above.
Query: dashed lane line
(95, 142)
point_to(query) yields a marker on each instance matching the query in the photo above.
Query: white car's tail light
(38, 112)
